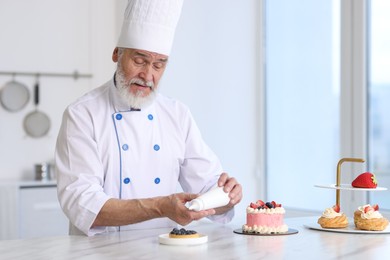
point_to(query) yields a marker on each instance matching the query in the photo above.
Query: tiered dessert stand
(338, 186)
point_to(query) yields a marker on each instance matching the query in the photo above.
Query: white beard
(136, 100)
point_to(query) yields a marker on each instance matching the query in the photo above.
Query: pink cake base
(268, 220)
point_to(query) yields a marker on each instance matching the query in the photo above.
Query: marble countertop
(222, 243)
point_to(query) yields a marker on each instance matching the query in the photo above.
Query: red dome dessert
(365, 180)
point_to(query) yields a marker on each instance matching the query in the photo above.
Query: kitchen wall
(56, 37)
(212, 69)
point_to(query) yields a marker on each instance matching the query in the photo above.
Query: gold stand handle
(339, 172)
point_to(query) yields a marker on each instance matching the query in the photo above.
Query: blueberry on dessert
(183, 233)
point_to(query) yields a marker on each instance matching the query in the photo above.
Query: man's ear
(115, 55)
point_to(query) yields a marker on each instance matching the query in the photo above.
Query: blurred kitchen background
(281, 90)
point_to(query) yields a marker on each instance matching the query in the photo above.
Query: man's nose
(147, 73)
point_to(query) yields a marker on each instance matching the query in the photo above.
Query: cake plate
(348, 187)
(350, 229)
(338, 186)
(289, 232)
(166, 240)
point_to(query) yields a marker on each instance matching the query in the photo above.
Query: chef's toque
(150, 25)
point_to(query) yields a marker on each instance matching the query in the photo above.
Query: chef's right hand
(173, 207)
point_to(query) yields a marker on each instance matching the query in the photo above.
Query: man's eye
(139, 61)
(159, 65)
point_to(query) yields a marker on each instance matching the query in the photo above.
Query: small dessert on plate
(367, 217)
(265, 218)
(183, 233)
(333, 218)
(365, 180)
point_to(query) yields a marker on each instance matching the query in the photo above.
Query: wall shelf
(75, 75)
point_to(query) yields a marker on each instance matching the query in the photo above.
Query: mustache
(141, 82)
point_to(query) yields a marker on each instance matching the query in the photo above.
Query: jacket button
(126, 180)
(156, 147)
(150, 117)
(125, 147)
(118, 116)
(157, 180)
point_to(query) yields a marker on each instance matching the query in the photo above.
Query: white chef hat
(150, 25)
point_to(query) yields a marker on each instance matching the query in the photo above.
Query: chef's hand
(231, 186)
(174, 208)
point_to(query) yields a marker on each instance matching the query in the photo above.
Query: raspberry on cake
(183, 233)
(333, 218)
(265, 218)
(367, 217)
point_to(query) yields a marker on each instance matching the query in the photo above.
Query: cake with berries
(333, 218)
(183, 233)
(265, 218)
(365, 180)
(367, 217)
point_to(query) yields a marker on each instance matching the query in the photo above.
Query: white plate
(350, 229)
(166, 240)
(289, 232)
(348, 187)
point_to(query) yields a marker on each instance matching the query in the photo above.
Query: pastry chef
(128, 157)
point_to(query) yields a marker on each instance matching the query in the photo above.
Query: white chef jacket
(105, 150)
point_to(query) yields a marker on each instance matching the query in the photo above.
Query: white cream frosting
(361, 208)
(265, 229)
(278, 210)
(330, 213)
(369, 214)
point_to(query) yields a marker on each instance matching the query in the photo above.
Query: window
(302, 50)
(379, 98)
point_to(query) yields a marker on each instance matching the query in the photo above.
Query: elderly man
(123, 149)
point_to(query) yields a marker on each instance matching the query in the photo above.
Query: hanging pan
(36, 123)
(14, 96)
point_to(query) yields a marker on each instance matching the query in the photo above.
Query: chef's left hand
(231, 186)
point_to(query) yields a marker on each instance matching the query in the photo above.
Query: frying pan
(14, 96)
(36, 123)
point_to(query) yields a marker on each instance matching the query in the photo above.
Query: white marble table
(222, 244)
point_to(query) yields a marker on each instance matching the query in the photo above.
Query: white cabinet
(30, 209)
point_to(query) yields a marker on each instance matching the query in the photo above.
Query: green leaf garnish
(374, 179)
